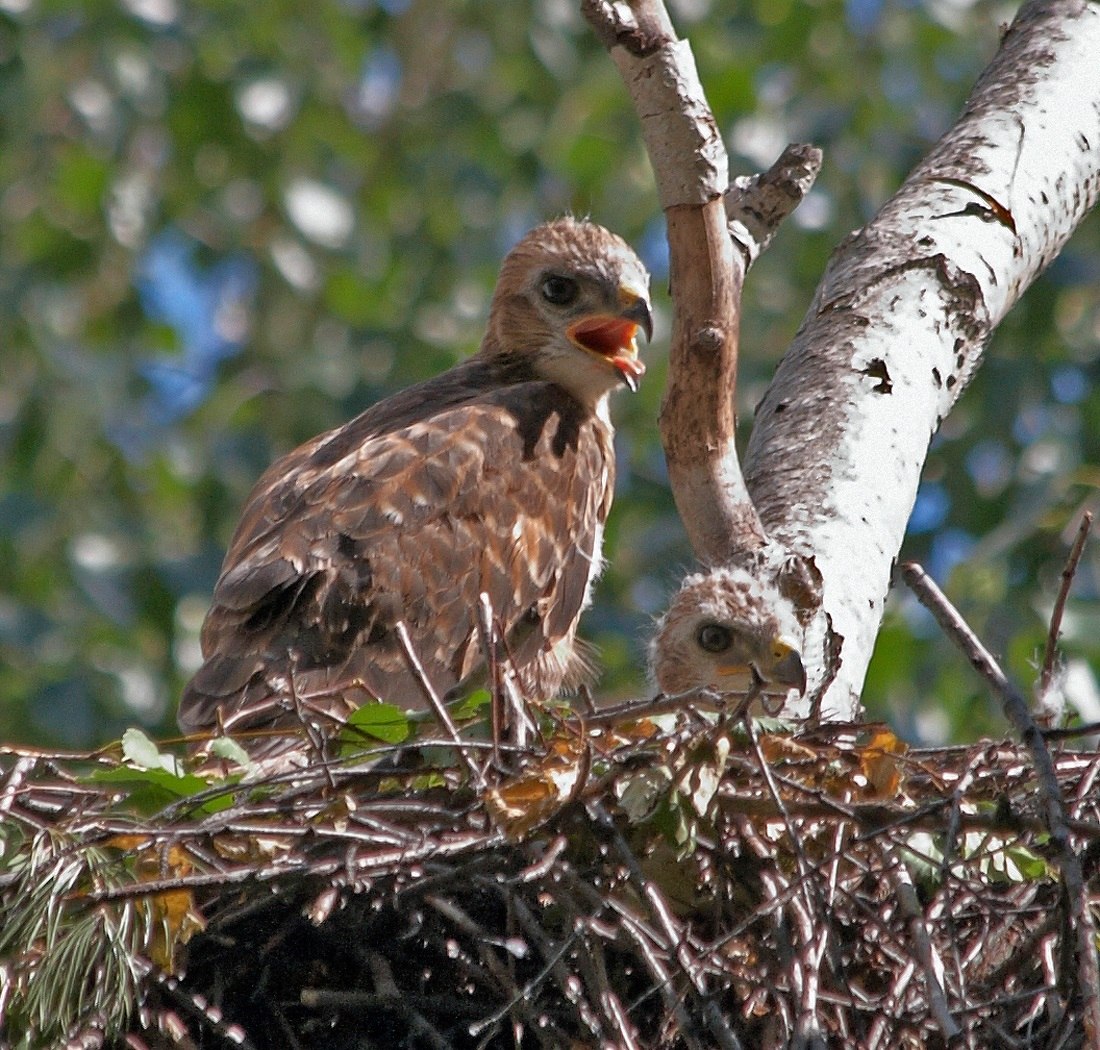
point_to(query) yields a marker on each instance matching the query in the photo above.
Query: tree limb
(902, 315)
(691, 168)
(1050, 654)
(757, 204)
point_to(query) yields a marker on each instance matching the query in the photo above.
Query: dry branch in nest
(701, 882)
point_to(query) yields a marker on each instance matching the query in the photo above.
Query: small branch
(1087, 729)
(1068, 572)
(522, 994)
(541, 868)
(1016, 710)
(651, 893)
(416, 669)
(635, 710)
(756, 205)
(313, 736)
(487, 634)
(208, 1017)
(929, 959)
(813, 944)
(662, 979)
(614, 1009)
(502, 682)
(15, 781)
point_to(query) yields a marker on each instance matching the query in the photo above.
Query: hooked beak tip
(640, 313)
(790, 671)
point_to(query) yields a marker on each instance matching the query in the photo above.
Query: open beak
(614, 337)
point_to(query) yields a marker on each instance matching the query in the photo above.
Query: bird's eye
(559, 290)
(714, 638)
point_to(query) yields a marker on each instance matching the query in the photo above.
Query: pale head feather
(523, 323)
(761, 624)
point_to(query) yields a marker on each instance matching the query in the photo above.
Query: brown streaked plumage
(729, 631)
(495, 476)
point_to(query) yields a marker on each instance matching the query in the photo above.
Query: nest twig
(694, 884)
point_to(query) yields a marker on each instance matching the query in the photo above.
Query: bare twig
(522, 994)
(15, 781)
(634, 710)
(546, 862)
(502, 680)
(487, 634)
(208, 1019)
(756, 205)
(1068, 572)
(807, 962)
(416, 669)
(659, 907)
(1069, 732)
(613, 1007)
(316, 740)
(662, 978)
(1016, 709)
(929, 959)
(724, 1036)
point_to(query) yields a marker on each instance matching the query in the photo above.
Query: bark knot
(707, 339)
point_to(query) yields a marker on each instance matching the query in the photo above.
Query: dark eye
(714, 637)
(560, 291)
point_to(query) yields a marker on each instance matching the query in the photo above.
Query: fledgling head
(728, 631)
(572, 296)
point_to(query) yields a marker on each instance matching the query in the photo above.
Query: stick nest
(687, 881)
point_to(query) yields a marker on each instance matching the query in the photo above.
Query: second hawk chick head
(573, 296)
(728, 631)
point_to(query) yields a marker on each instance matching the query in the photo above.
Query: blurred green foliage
(226, 226)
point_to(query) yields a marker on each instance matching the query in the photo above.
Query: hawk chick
(728, 631)
(495, 477)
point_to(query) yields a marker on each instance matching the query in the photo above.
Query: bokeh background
(225, 226)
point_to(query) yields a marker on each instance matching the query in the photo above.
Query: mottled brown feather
(486, 478)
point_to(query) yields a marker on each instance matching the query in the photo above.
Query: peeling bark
(896, 328)
(902, 316)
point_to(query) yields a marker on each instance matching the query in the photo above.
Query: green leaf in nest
(470, 706)
(384, 722)
(1030, 865)
(150, 790)
(153, 779)
(142, 752)
(228, 748)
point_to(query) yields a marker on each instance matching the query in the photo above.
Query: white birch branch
(901, 318)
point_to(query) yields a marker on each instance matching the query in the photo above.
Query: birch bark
(896, 328)
(901, 319)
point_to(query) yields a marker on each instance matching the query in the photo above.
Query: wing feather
(505, 491)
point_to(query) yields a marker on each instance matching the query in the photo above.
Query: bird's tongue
(613, 338)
